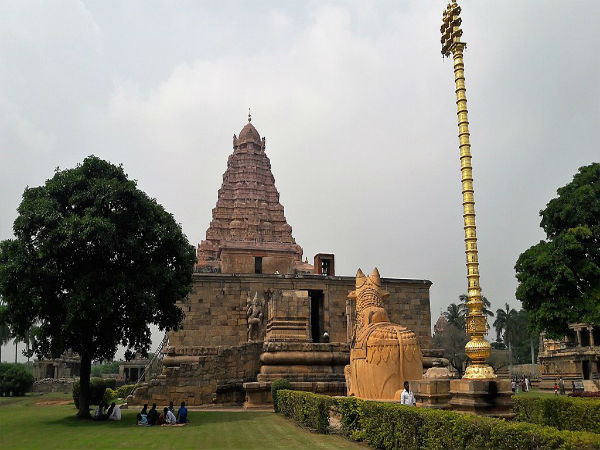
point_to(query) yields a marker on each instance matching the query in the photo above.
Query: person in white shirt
(407, 397)
(170, 417)
(116, 413)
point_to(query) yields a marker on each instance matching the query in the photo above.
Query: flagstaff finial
(249, 116)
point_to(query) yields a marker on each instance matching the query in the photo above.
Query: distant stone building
(575, 357)
(257, 310)
(134, 369)
(67, 366)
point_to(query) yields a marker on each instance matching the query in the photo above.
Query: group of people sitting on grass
(105, 412)
(167, 417)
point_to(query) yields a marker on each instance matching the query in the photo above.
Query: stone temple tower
(248, 232)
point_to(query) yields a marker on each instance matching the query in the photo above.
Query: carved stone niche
(289, 317)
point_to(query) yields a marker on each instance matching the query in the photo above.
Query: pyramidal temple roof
(248, 215)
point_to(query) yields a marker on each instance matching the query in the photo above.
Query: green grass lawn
(29, 424)
(536, 393)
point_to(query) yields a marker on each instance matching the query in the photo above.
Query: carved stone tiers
(248, 220)
(303, 361)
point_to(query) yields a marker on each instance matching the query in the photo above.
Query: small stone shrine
(259, 310)
(66, 366)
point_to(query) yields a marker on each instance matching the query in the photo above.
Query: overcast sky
(354, 99)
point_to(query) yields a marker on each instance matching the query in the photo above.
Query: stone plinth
(482, 397)
(258, 394)
(303, 361)
(433, 394)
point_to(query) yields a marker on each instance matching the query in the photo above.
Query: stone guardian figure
(254, 314)
(383, 354)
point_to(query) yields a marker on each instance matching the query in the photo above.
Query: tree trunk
(16, 349)
(510, 359)
(532, 353)
(84, 387)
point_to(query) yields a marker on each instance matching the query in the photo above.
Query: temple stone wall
(243, 262)
(216, 308)
(202, 375)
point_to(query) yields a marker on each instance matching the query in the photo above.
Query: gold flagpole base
(479, 372)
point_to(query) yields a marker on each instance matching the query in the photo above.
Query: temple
(258, 310)
(574, 358)
(248, 232)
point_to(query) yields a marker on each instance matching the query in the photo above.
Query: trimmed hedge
(277, 385)
(97, 388)
(15, 379)
(307, 409)
(110, 395)
(392, 426)
(564, 413)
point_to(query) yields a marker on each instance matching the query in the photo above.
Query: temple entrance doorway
(50, 371)
(585, 367)
(316, 314)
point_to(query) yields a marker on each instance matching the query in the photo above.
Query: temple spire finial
(249, 116)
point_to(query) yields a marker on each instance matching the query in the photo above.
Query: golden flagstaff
(477, 349)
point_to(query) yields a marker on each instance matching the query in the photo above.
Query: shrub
(307, 409)
(390, 426)
(15, 379)
(564, 413)
(97, 388)
(125, 390)
(110, 395)
(276, 385)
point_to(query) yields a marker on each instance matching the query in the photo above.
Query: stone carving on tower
(248, 221)
(383, 354)
(254, 314)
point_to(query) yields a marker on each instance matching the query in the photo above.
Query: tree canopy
(93, 263)
(559, 278)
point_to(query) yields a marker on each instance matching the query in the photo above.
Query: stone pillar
(578, 331)
(432, 393)
(591, 331)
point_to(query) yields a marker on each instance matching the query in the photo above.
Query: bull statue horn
(375, 276)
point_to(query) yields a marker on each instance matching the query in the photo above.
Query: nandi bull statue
(383, 354)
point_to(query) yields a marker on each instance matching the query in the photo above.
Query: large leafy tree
(559, 278)
(93, 263)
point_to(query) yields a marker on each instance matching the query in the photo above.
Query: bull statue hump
(383, 354)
